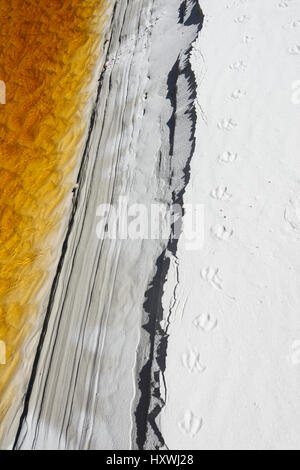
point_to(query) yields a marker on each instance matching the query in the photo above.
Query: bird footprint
(212, 276)
(283, 4)
(292, 214)
(205, 322)
(294, 24)
(248, 38)
(237, 94)
(191, 361)
(190, 424)
(221, 193)
(227, 124)
(239, 65)
(228, 157)
(294, 50)
(241, 19)
(221, 232)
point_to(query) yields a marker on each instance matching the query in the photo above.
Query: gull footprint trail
(227, 124)
(205, 322)
(292, 25)
(212, 276)
(228, 157)
(191, 361)
(283, 5)
(292, 214)
(294, 50)
(238, 65)
(241, 19)
(221, 193)
(238, 94)
(190, 424)
(220, 232)
(247, 39)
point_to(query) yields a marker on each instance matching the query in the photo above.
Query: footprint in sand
(283, 5)
(205, 322)
(238, 94)
(294, 50)
(227, 125)
(212, 276)
(191, 361)
(241, 19)
(296, 92)
(228, 157)
(190, 424)
(295, 353)
(247, 39)
(292, 25)
(238, 65)
(292, 214)
(221, 193)
(220, 232)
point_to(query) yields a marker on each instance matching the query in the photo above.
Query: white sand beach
(232, 372)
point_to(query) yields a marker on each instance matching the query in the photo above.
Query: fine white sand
(232, 372)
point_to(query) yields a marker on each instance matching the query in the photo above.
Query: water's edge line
(151, 373)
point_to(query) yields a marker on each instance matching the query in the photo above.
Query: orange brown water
(48, 51)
